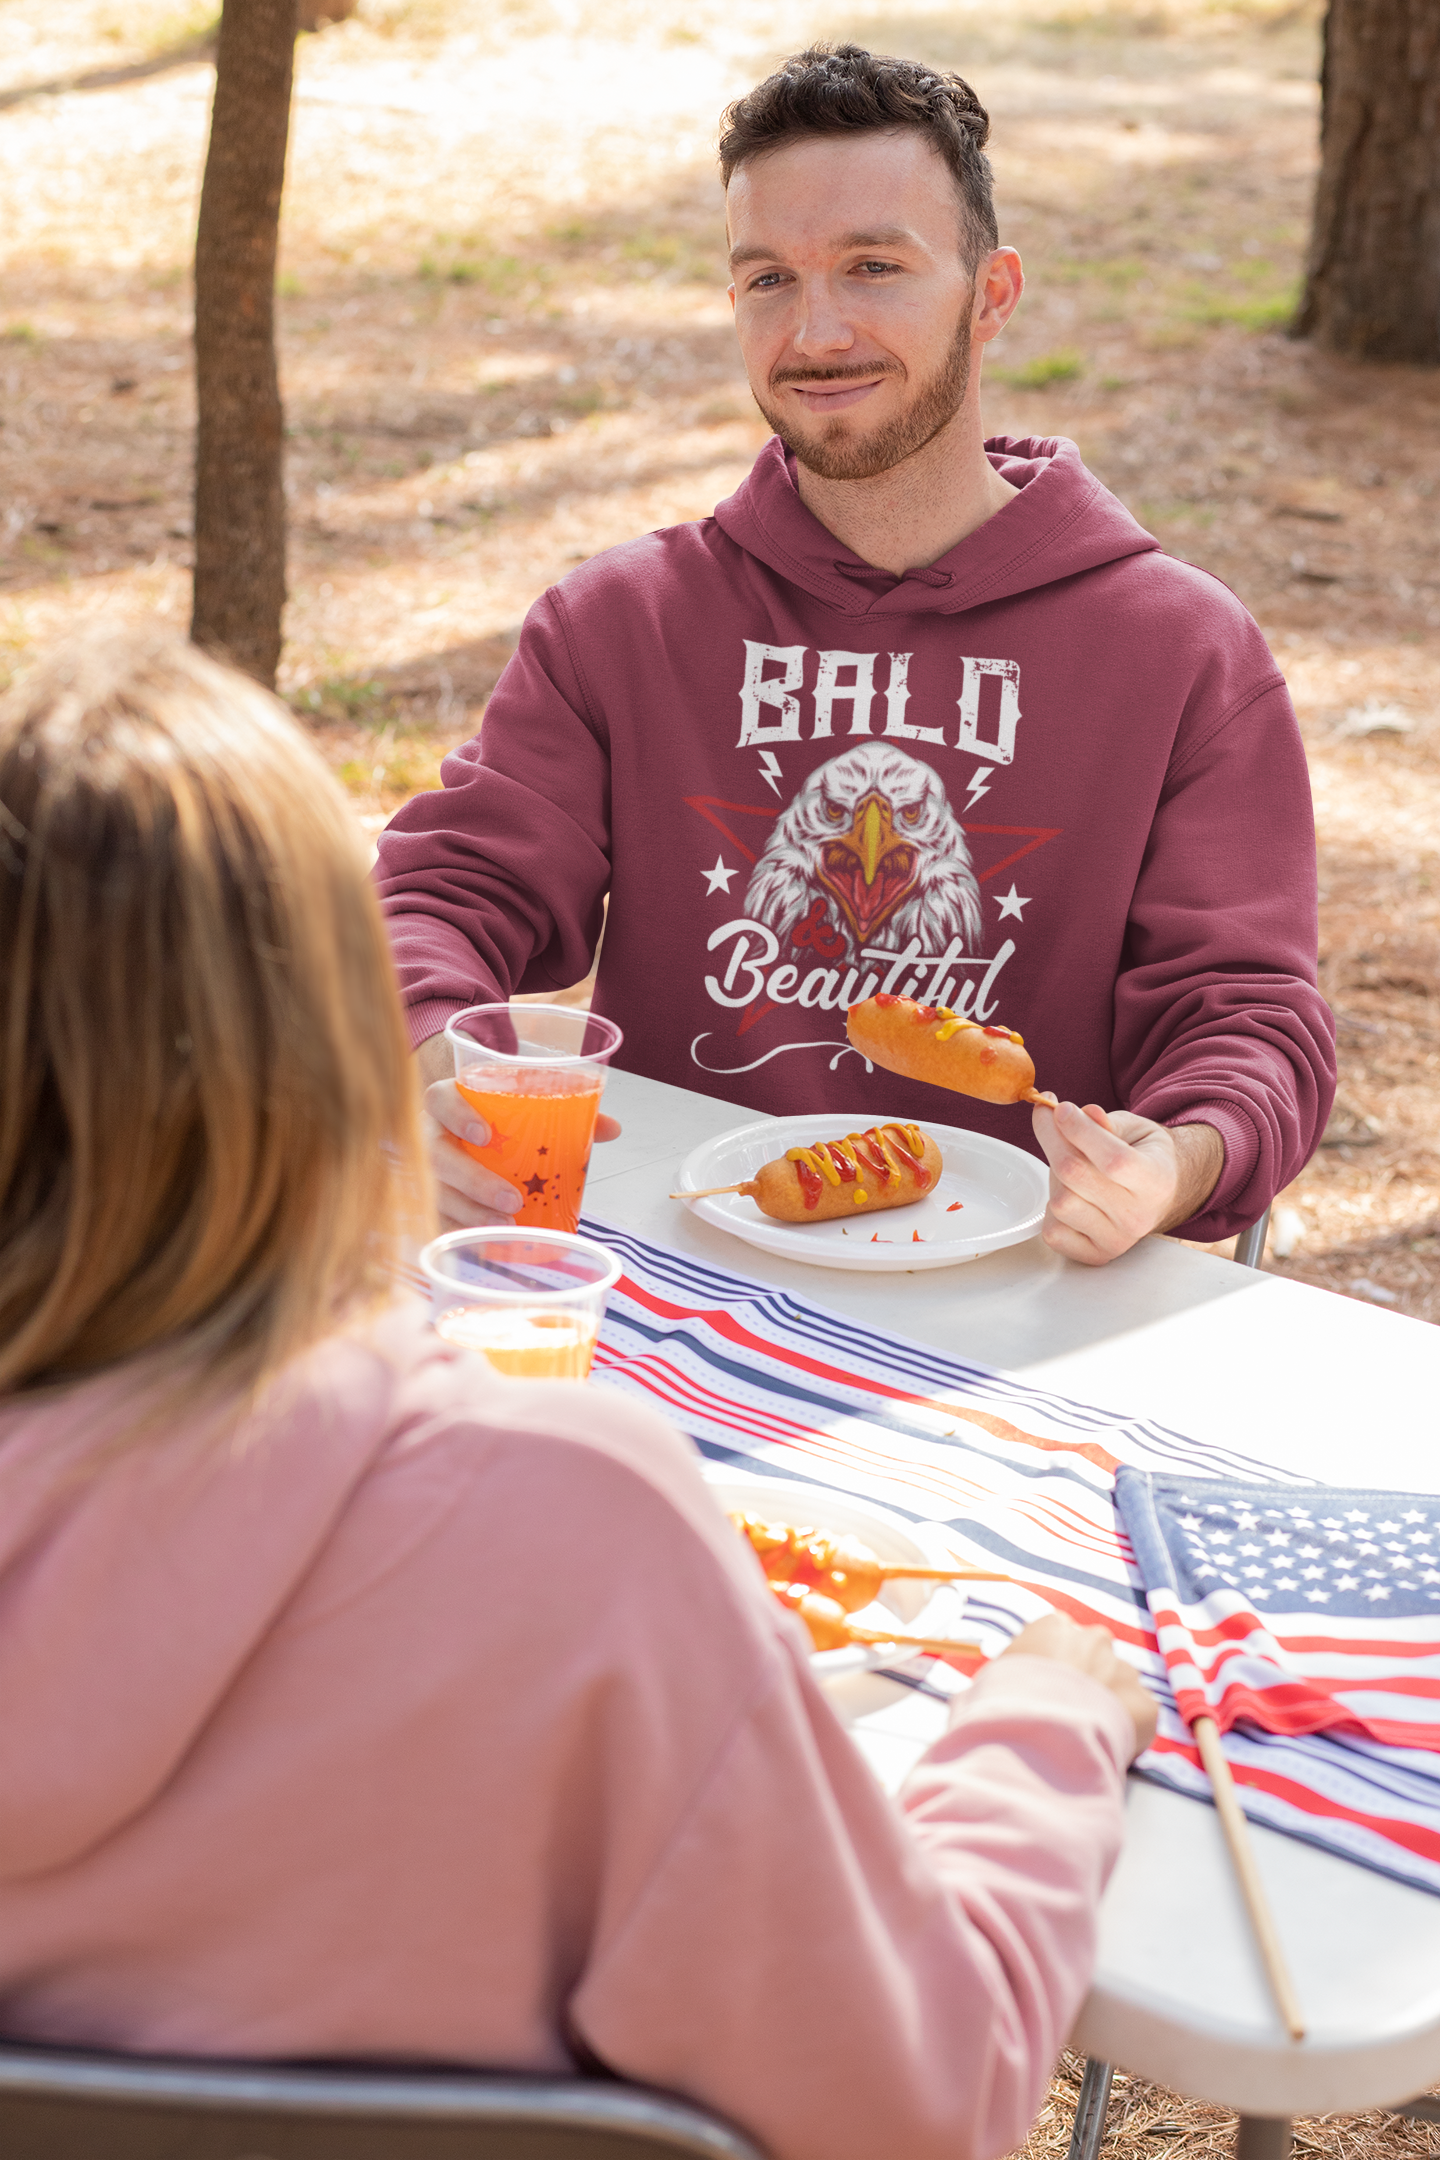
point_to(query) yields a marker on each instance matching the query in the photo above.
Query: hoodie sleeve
(1218, 1017)
(495, 883)
(845, 1982)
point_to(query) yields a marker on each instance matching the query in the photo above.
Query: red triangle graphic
(709, 805)
(1035, 837)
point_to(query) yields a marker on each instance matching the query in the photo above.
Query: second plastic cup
(530, 1300)
(535, 1073)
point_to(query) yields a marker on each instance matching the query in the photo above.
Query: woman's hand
(1090, 1650)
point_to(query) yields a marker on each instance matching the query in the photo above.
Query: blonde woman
(358, 1702)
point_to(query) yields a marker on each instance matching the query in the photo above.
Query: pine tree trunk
(1372, 286)
(239, 482)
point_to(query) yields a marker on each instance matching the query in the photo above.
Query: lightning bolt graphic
(977, 784)
(770, 766)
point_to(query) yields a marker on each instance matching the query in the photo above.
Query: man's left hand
(1115, 1177)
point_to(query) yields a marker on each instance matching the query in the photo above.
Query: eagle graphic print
(869, 844)
(864, 878)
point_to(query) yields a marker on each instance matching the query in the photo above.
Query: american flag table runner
(1021, 1478)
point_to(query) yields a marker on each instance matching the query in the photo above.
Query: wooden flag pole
(1242, 1855)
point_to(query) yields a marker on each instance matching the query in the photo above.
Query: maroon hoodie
(1054, 780)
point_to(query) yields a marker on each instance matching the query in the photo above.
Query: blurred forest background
(505, 345)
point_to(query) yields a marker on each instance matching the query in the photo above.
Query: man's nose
(822, 327)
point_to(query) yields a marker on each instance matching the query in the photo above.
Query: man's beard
(835, 455)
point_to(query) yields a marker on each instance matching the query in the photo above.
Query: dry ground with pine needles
(506, 346)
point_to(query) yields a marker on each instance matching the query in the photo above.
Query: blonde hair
(209, 1136)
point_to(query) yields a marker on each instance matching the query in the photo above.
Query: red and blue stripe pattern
(1016, 1477)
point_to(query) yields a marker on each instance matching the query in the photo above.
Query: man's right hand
(467, 1195)
(1089, 1650)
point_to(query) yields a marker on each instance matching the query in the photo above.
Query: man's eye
(880, 268)
(766, 280)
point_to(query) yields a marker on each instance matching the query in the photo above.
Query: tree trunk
(239, 485)
(1372, 286)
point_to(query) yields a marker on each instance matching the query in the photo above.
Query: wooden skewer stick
(1040, 1095)
(1252, 1890)
(708, 1192)
(934, 1645)
(938, 1574)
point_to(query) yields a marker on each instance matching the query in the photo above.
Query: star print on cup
(534, 1074)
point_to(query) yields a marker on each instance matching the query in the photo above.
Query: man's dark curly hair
(844, 90)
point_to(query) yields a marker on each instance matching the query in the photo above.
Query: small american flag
(1297, 1610)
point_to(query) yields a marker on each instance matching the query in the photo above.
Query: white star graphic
(1431, 1575)
(718, 879)
(1356, 1514)
(1246, 1521)
(1277, 1537)
(1330, 1522)
(1250, 1552)
(1318, 1597)
(1413, 1516)
(1285, 1582)
(1347, 1582)
(1378, 1591)
(1313, 1574)
(1011, 903)
(1386, 1528)
(1308, 1552)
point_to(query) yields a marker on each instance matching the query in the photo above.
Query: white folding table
(1309, 1381)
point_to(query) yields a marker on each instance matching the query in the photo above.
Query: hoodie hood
(189, 1546)
(1062, 521)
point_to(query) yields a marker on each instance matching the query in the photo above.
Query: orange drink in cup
(530, 1301)
(535, 1074)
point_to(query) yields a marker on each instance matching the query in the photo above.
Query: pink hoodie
(439, 1716)
(1053, 780)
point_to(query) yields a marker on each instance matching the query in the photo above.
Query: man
(910, 713)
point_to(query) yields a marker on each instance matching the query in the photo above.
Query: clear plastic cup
(535, 1073)
(530, 1300)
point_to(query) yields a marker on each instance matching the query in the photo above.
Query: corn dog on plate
(988, 1194)
(916, 1608)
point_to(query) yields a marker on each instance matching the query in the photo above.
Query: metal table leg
(1089, 2130)
(1263, 2137)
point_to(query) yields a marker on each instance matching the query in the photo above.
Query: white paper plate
(1002, 1192)
(920, 1608)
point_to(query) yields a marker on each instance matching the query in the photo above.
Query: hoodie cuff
(429, 1017)
(1231, 1206)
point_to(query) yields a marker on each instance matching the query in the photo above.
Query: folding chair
(63, 2104)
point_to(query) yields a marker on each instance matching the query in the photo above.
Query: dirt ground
(506, 346)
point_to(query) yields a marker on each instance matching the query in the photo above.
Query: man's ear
(999, 282)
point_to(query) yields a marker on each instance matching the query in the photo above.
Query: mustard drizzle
(951, 1023)
(820, 1159)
